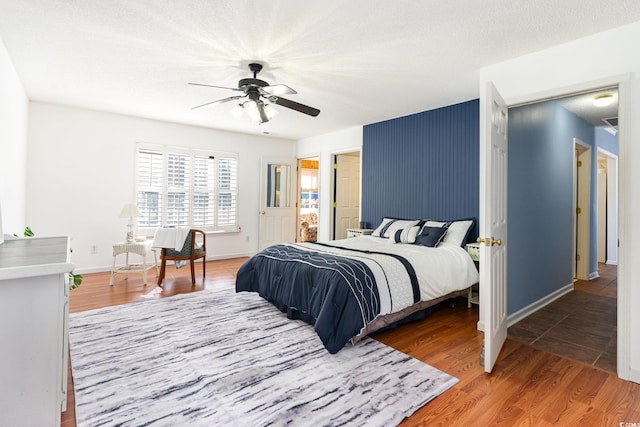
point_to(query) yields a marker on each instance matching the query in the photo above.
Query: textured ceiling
(358, 61)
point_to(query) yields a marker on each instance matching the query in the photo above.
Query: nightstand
(473, 249)
(357, 232)
(140, 248)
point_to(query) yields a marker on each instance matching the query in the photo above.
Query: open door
(346, 212)
(277, 211)
(581, 211)
(493, 223)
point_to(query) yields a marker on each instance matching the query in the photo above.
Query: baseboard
(107, 268)
(634, 375)
(229, 256)
(611, 262)
(593, 275)
(98, 269)
(532, 308)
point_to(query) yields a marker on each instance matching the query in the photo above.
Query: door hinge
(578, 210)
(335, 166)
(579, 164)
(335, 205)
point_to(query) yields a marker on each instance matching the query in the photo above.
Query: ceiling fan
(254, 92)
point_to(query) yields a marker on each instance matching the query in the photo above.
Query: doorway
(308, 199)
(581, 211)
(581, 324)
(346, 193)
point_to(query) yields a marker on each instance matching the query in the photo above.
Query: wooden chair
(189, 252)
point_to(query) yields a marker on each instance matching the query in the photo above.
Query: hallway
(581, 325)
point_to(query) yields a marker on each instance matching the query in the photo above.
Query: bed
(349, 288)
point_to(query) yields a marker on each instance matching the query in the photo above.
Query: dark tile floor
(580, 325)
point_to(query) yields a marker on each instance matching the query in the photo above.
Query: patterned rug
(215, 358)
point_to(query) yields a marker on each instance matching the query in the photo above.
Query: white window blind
(193, 188)
(150, 187)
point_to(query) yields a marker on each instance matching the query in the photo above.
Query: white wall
(580, 64)
(14, 110)
(80, 172)
(324, 146)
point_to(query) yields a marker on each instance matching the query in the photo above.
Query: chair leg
(163, 264)
(193, 272)
(204, 269)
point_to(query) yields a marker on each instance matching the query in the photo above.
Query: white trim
(535, 306)
(581, 198)
(613, 195)
(634, 375)
(625, 101)
(564, 91)
(594, 275)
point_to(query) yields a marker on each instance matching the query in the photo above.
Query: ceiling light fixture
(257, 111)
(603, 100)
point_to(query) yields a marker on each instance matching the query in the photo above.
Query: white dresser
(34, 307)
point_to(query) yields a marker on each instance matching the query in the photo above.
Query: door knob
(489, 241)
(263, 213)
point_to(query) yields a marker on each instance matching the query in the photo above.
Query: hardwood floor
(528, 386)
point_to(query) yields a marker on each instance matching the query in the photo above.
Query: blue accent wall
(606, 141)
(422, 166)
(540, 200)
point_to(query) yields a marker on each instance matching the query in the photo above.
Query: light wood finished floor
(528, 387)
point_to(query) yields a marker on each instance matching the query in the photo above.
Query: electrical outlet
(94, 249)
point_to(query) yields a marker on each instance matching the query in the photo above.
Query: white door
(277, 208)
(493, 223)
(347, 203)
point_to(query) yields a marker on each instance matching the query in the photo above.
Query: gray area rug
(215, 358)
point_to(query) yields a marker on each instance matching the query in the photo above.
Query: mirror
(278, 186)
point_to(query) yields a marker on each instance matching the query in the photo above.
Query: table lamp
(130, 211)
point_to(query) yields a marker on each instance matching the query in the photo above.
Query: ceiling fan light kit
(257, 91)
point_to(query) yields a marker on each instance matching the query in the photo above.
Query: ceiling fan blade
(279, 90)
(218, 87)
(295, 106)
(220, 101)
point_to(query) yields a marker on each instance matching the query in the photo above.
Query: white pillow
(399, 225)
(405, 235)
(457, 231)
(379, 231)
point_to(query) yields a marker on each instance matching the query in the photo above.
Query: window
(186, 188)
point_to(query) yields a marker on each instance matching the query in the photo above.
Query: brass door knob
(263, 213)
(489, 241)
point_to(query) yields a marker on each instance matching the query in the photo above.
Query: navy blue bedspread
(337, 295)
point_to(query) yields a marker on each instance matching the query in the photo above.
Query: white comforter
(440, 270)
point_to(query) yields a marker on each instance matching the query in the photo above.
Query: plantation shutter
(181, 187)
(204, 182)
(227, 193)
(178, 180)
(150, 187)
